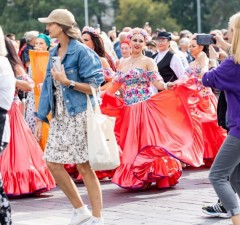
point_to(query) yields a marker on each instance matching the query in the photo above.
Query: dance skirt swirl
(154, 135)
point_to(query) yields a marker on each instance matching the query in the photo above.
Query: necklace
(133, 60)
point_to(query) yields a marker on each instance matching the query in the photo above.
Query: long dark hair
(22, 42)
(205, 48)
(98, 44)
(12, 55)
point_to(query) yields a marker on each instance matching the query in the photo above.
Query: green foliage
(3, 3)
(18, 16)
(214, 14)
(135, 13)
(22, 15)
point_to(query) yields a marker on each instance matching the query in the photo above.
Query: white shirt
(183, 59)
(175, 64)
(7, 90)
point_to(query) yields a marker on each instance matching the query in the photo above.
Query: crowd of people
(175, 101)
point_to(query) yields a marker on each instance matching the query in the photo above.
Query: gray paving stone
(180, 205)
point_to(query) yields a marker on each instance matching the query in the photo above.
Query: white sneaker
(95, 221)
(81, 216)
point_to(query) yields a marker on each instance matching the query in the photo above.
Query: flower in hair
(90, 30)
(138, 30)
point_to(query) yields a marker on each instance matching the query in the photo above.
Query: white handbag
(102, 145)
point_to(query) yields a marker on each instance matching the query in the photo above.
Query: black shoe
(216, 210)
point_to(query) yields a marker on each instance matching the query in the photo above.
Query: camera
(205, 39)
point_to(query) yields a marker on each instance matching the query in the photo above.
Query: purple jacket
(226, 77)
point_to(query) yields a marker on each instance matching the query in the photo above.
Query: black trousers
(3, 114)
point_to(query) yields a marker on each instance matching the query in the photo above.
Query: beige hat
(61, 16)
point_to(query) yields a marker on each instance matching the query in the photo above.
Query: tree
(3, 3)
(21, 15)
(214, 14)
(135, 13)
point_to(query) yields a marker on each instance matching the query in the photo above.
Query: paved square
(180, 205)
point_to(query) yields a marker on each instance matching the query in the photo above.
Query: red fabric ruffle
(162, 120)
(154, 163)
(22, 167)
(204, 116)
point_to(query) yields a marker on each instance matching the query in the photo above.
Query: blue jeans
(225, 174)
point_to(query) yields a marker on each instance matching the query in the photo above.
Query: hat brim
(45, 20)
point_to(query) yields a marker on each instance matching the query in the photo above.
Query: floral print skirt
(67, 141)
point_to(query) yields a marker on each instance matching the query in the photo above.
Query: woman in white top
(7, 90)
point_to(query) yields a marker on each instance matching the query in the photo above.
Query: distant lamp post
(199, 23)
(86, 12)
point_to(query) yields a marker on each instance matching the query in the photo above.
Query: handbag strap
(89, 104)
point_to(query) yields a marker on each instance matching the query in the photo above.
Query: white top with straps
(7, 90)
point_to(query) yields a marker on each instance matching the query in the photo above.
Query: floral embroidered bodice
(137, 84)
(192, 72)
(24, 78)
(108, 73)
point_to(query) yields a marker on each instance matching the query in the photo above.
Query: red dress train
(204, 108)
(153, 134)
(22, 167)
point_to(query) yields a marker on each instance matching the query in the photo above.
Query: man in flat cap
(169, 64)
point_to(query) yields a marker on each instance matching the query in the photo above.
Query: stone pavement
(180, 205)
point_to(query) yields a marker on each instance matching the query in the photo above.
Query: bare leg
(235, 220)
(93, 187)
(65, 182)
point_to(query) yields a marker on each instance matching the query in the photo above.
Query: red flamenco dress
(152, 131)
(205, 109)
(22, 167)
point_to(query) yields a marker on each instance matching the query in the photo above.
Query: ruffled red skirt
(213, 134)
(152, 134)
(204, 115)
(22, 167)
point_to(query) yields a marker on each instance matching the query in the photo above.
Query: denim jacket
(82, 65)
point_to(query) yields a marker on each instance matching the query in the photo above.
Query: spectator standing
(7, 90)
(64, 94)
(169, 64)
(224, 173)
(30, 37)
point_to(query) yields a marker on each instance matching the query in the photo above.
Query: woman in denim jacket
(64, 94)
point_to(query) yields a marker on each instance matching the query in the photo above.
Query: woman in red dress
(205, 107)
(149, 129)
(22, 167)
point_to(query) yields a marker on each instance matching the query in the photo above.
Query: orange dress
(39, 61)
